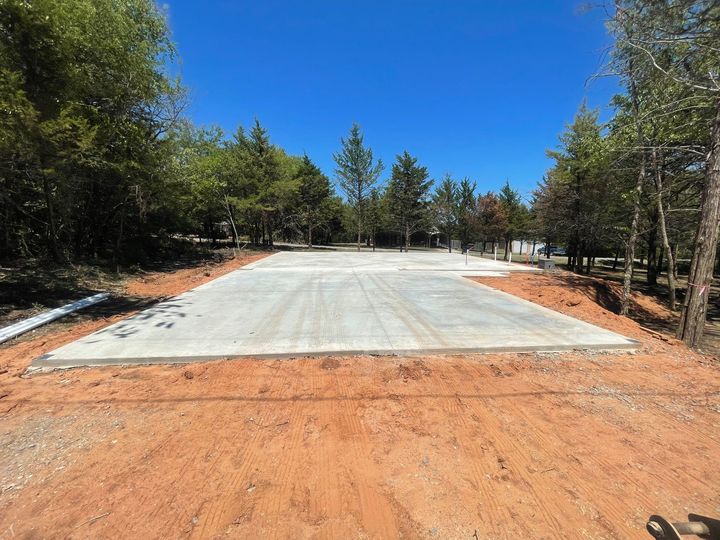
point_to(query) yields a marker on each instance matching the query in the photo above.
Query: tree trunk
(271, 231)
(692, 320)
(232, 222)
(309, 235)
(359, 233)
(632, 239)
(637, 196)
(52, 225)
(663, 229)
(6, 231)
(407, 237)
(118, 242)
(652, 269)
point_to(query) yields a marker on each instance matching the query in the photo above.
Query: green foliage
(466, 227)
(445, 206)
(516, 214)
(316, 207)
(84, 100)
(577, 204)
(407, 196)
(492, 220)
(357, 173)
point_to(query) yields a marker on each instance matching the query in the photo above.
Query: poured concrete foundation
(293, 304)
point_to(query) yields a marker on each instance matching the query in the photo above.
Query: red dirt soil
(553, 445)
(589, 299)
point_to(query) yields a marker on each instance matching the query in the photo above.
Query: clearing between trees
(535, 445)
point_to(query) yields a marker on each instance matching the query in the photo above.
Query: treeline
(248, 188)
(96, 160)
(407, 203)
(647, 184)
(85, 114)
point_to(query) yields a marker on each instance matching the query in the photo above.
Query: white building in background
(518, 246)
(526, 246)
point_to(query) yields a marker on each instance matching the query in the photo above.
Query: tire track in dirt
(375, 516)
(318, 506)
(222, 450)
(610, 516)
(545, 492)
(154, 504)
(494, 514)
(220, 509)
(276, 503)
(506, 446)
(676, 475)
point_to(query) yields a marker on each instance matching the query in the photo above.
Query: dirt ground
(571, 445)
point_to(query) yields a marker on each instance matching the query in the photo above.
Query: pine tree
(491, 219)
(264, 169)
(314, 193)
(466, 210)
(407, 194)
(357, 172)
(581, 188)
(445, 207)
(516, 215)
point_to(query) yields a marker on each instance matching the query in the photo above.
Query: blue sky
(478, 89)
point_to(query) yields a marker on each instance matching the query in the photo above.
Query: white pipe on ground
(21, 327)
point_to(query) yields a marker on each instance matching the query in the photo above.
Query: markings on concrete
(308, 303)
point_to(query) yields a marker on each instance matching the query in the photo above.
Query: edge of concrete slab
(547, 310)
(47, 360)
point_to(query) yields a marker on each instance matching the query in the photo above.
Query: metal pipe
(33, 322)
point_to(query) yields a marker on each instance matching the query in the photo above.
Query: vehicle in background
(553, 250)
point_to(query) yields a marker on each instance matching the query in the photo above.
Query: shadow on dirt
(608, 295)
(31, 286)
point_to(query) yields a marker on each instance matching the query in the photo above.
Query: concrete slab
(295, 304)
(384, 261)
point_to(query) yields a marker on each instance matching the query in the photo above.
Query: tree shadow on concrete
(31, 286)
